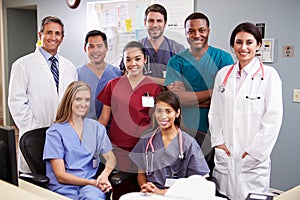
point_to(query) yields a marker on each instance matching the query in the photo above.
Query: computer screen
(8, 158)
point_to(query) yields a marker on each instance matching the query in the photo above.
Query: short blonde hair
(65, 107)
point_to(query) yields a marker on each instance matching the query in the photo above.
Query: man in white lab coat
(34, 94)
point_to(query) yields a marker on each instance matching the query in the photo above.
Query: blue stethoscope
(148, 66)
(150, 159)
(251, 96)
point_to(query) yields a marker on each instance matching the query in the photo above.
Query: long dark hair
(246, 27)
(131, 44)
(173, 100)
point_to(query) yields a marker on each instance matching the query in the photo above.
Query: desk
(27, 191)
(142, 196)
(292, 194)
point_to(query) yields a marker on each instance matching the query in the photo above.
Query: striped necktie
(54, 70)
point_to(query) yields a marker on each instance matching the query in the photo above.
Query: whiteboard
(123, 21)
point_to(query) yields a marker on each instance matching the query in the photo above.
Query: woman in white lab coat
(245, 118)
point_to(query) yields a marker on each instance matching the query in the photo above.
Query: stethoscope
(149, 161)
(251, 96)
(148, 66)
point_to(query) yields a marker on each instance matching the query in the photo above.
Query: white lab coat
(32, 97)
(245, 125)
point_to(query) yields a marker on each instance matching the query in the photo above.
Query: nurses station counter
(27, 191)
(143, 196)
(292, 194)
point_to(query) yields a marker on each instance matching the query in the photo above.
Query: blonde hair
(65, 107)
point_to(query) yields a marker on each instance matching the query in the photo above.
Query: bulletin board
(123, 21)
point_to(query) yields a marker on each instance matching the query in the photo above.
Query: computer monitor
(8, 158)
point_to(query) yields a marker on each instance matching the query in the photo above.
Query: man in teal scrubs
(191, 73)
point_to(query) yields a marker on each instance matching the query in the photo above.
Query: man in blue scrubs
(191, 73)
(96, 73)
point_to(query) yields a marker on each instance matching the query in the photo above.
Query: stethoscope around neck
(251, 96)
(148, 65)
(150, 160)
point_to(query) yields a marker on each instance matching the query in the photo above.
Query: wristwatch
(73, 3)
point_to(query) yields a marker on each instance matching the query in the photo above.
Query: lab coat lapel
(230, 85)
(42, 63)
(246, 86)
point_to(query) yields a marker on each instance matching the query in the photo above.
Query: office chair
(32, 146)
(121, 182)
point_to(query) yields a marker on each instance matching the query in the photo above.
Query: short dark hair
(246, 27)
(173, 100)
(156, 8)
(197, 15)
(54, 19)
(95, 33)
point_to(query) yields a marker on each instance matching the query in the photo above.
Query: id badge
(147, 101)
(95, 162)
(164, 74)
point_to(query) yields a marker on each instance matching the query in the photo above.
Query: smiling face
(134, 61)
(81, 103)
(197, 33)
(96, 49)
(165, 115)
(51, 37)
(245, 47)
(155, 24)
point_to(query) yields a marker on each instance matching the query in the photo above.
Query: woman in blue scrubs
(73, 146)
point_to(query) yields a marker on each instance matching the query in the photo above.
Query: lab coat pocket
(249, 163)
(255, 106)
(221, 161)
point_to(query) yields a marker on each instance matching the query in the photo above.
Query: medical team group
(152, 115)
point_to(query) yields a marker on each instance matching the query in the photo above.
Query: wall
(23, 21)
(19, 21)
(281, 18)
(281, 22)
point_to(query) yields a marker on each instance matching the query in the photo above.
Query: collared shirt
(242, 75)
(240, 78)
(47, 56)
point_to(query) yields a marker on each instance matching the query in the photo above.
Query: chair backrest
(32, 147)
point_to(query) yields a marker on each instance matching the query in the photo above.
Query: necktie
(54, 70)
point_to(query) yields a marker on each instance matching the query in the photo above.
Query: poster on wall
(176, 14)
(123, 21)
